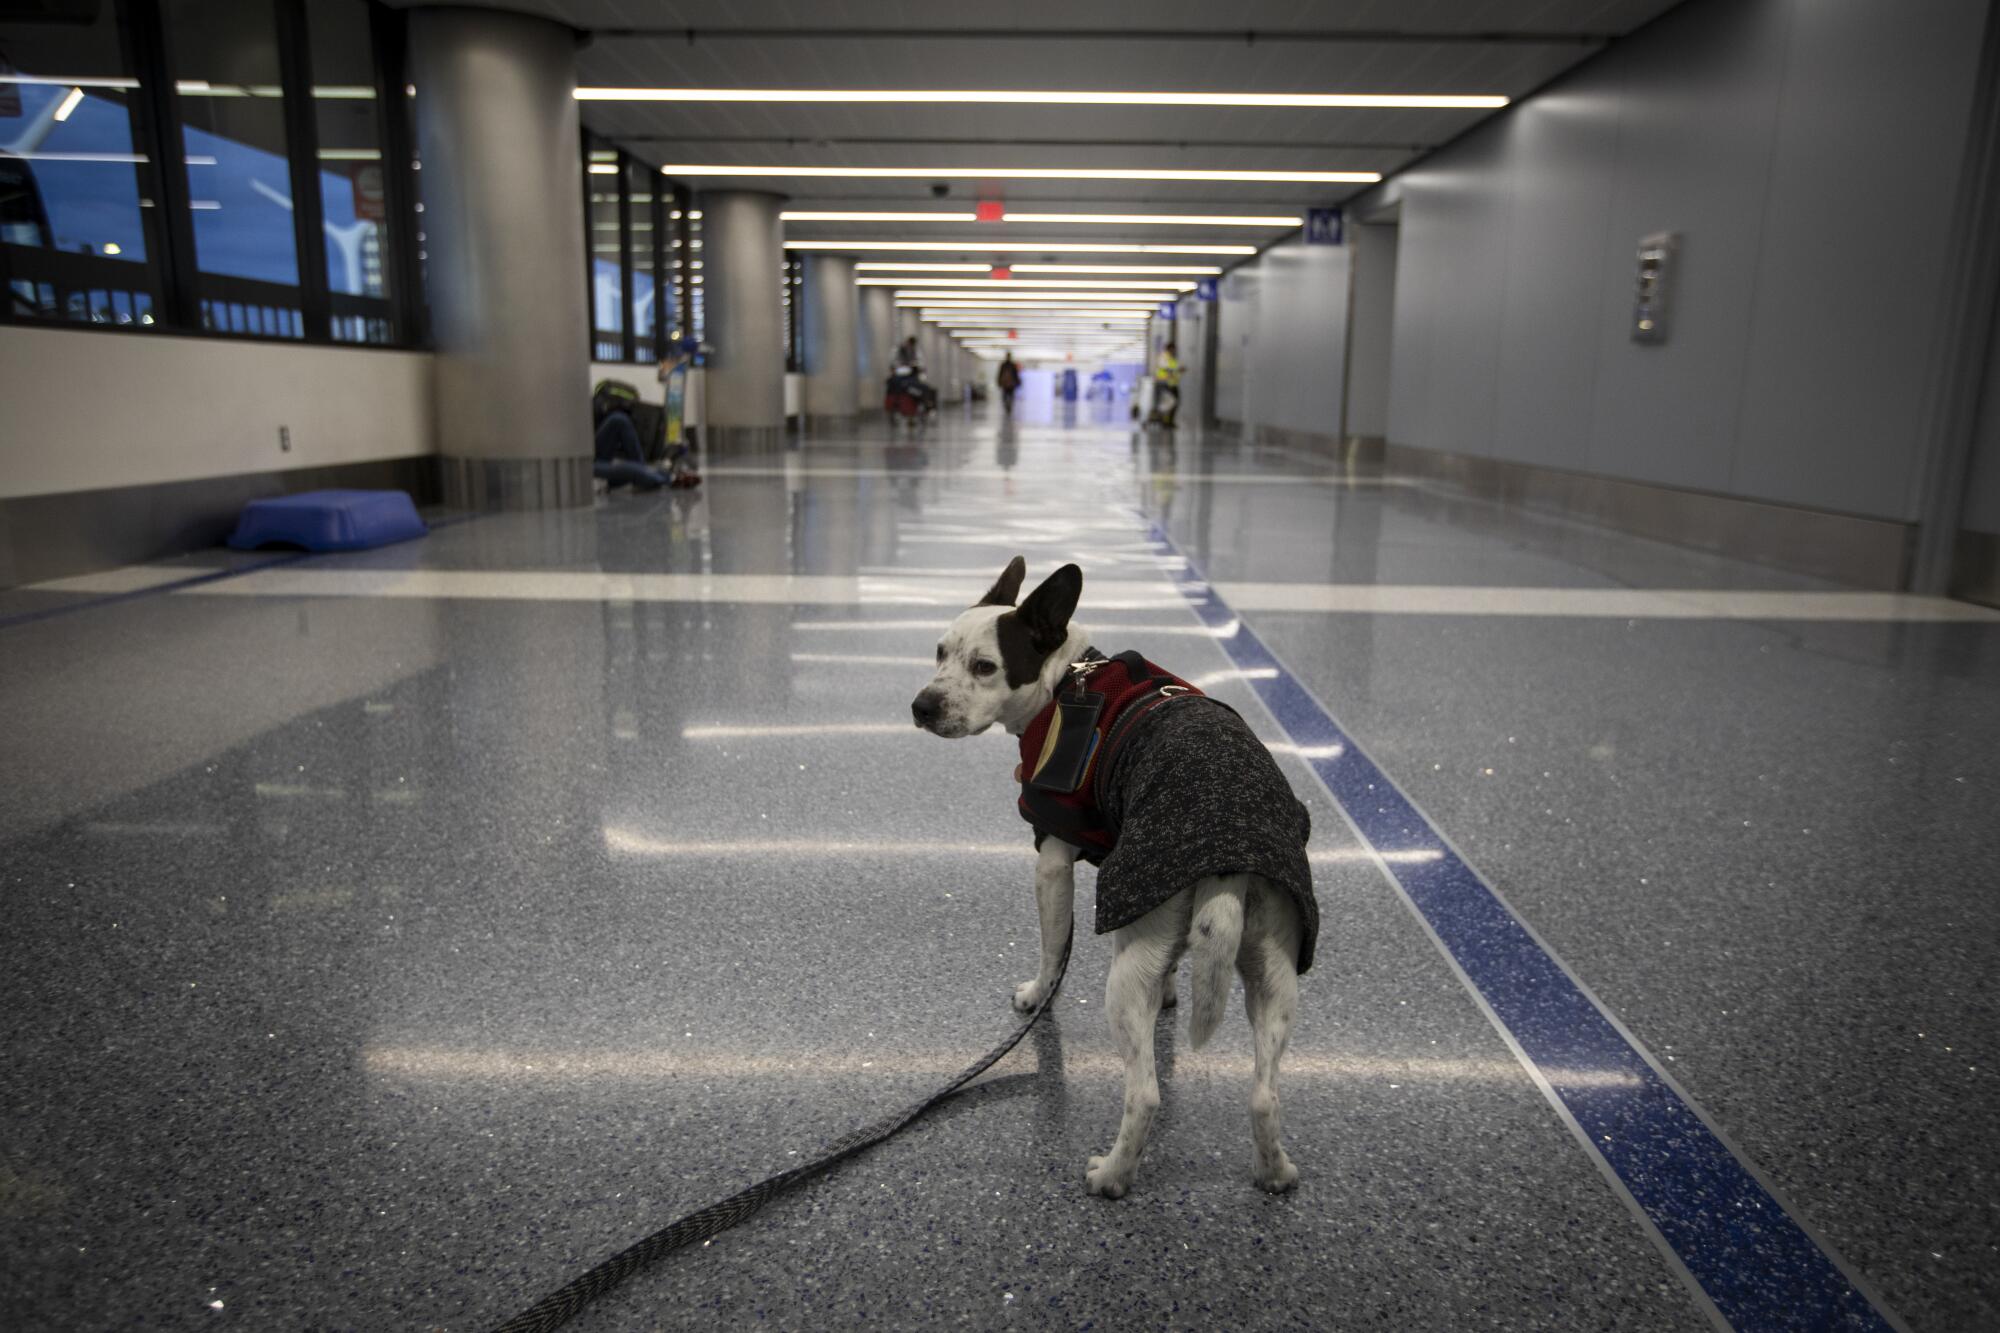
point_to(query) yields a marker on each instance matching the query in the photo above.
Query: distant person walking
(1008, 379)
(1167, 387)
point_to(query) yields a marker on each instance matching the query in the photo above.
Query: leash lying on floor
(558, 1307)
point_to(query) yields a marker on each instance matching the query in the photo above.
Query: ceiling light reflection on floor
(633, 843)
(699, 1059)
(749, 731)
(865, 659)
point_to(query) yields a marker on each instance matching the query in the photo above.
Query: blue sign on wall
(1166, 310)
(1204, 289)
(1323, 226)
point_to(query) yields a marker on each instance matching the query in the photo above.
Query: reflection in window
(354, 203)
(607, 293)
(233, 128)
(645, 286)
(73, 185)
(693, 271)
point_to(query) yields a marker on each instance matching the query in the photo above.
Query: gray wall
(1190, 336)
(1370, 327)
(1807, 152)
(1283, 350)
(1234, 355)
(1982, 494)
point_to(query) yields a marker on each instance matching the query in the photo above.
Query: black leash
(560, 1306)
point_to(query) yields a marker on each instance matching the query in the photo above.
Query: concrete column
(875, 340)
(931, 340)
(831, 328)
(743, 263)
(497, 128)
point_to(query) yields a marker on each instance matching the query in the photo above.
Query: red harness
(1061, 797)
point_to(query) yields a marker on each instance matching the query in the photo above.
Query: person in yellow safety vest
(1167, 387)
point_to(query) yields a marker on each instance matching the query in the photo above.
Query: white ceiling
(1507, 47)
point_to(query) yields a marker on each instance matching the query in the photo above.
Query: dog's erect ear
(1008, 587)
(1046, 612)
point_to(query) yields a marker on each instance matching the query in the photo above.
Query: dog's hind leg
(1268, 962)
(1146, 951)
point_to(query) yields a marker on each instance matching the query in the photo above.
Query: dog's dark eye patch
(940, 656)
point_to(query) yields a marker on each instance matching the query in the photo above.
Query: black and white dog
(1202, 850)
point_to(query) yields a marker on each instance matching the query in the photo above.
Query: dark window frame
(183, 289)
(672, 256)
(795, 319)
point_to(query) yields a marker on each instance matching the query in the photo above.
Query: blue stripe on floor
(1754, 1261)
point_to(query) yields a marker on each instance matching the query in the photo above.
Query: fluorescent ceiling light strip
(1023, 174)
(604, 168)
(999, 307)
(1030, 247)
(1142, 284)
(58, 80)
(928, 312)
(1192, 270)
(922, 268)
(876, 217)
(1009, 97)
(1036, 294)
(204, 88)
(1053, 318)
(1159, 219)
(78, 157)
(1006, 329)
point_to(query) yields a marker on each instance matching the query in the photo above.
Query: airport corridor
(398, 934)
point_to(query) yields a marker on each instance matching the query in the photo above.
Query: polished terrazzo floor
(392, 936)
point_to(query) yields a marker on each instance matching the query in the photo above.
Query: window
(644, 270)
(232, 123)
(354, 187)
(696, 319)
(795, 313)
(218, 166)
(76, 188)
(602, 190)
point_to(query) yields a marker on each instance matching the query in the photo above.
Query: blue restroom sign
(1323, 226)
(1204, 289)
(1167, 310)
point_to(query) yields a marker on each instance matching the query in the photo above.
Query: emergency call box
(1650, 302)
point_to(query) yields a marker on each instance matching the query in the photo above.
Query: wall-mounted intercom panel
(1650, 303)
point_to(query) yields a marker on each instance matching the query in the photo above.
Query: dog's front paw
(1104, 1180)
(1277, 1175)
(1029, 994)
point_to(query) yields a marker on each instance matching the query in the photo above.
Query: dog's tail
(1213, 938)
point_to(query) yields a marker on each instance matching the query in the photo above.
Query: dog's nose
(924, 708)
